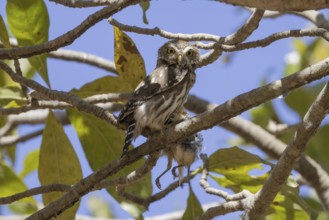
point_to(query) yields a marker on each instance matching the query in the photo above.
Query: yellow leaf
(128, 61)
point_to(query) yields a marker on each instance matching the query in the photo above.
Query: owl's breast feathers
(161, 82)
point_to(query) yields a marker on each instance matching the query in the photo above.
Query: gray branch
(281, 5)
(82, 57)
(84, 3)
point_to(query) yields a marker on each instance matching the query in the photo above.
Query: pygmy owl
(161, 93)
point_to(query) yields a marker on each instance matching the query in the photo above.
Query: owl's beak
(179, 58)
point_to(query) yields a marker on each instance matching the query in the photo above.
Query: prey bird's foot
(173, 171)
(157, 183)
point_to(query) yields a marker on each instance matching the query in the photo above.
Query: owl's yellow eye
(190, 53)
(170, 50)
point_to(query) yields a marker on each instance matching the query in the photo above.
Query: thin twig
(19, 72)
(6, 141)
(35, 191)
(213, 191)
(309, 32)
(240, 35)
(50, 104)
(133, 176)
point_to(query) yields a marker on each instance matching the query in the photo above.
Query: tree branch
(281, 5)
(77, 56)
(69, 37)
(222, 209)
(61, 96)
(133, 176)
(35, 191)
(188, 127)
(246, 30)
(84, 3)
(310, 32)
(294, 150)
(82, 57)
(11, 140)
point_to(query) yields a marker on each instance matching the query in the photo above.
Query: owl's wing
(159, 81)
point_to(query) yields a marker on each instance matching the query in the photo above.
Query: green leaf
(8, 94)
(29, 22)
(128, 61)
(233, 159)
(194, 208)
(27, 70)
(323, 216)
(284, 208)
(10, 151)
(318, 147)
(99, 208)
(106, 84)
(308, 54)
(263, 114)
(235, 164)
(31, 163)
(145, 6)
(301, 99)
(58, 163)
(4, 37)
(102, 143)
(11, 184)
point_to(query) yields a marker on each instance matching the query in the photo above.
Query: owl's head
(178, 52)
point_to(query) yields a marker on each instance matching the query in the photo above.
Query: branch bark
(281, 5)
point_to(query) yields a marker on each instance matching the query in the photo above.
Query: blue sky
(217, 82)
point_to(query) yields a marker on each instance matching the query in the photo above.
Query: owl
(161, 93)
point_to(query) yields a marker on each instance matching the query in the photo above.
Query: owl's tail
(129, 138)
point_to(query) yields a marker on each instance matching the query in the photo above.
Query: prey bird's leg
(169, 164)
(173, 170)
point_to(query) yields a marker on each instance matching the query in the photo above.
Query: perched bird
(161, 93)
(184, 152)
